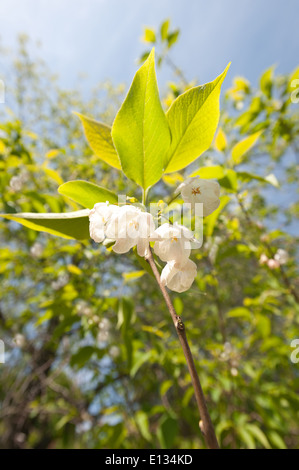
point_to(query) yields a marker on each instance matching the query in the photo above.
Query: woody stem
(205, 423)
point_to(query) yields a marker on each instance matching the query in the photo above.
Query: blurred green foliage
(92, 359)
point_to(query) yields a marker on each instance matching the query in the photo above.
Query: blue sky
(102, 37)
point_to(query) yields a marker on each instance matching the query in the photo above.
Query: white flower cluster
(281, 257)
(129, 226)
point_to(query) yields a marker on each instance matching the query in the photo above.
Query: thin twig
(205, 423)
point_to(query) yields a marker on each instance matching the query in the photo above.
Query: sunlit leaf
(266, 82)
(212, 219)
(173, 37)
(246, 177)
(220, 140)
(143, 424)
(164, 29)
(258, 434)
(87, 194)
(149, 35)
(65, 224)
(98, 136)
(140, 131)
(132, 276)
(241, 148)
(209, 172)
(193, 118)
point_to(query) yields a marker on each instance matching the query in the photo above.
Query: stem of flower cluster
(205, 423)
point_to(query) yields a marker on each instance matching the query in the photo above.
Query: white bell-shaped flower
(131, 227)
(173, 242)
(281, 256)
(99, 217)
(179, 278)
(196, 190)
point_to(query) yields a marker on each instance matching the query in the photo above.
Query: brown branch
(205, 423)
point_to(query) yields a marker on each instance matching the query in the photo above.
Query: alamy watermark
(295, 93)
(2, 92)
(295, 353)
(188, 215)
(2, 352)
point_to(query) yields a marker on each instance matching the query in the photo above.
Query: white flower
(273, 264)
(196, 190)
(175, 244)
(281, 256)
(105, 324)
(114, 352)
(16, 183)
(263, 259)
(99, 217)
(131, 227)
(62, 281)
(36, 250)
(19, 340)
(177, 277)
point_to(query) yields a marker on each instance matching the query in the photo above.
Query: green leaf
(241, 148)
(240, 312)
(266, 81)
(66, 224)
(258, 434)
(220, 140)
(98, 135)
(144, 57)
(229, 180)
(246, 177)
(193, 118)
(167, 432)
(208, 172)
(164, 30)
(132, 276)
(142, 423)
(276, 440)
(125, 315)
(87, 194)
(140, 359)
(149, 35)
(84, 354)
(212, 219)
(140, 131)
(246, 438)
(173, 37)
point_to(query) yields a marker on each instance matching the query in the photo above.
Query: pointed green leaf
(149, 35)
(266, 81)
(241, 148)
(140, 131)
(258, 434)
(208, 172)
(164, 29)
(167, 432)
(143, 424)
(212, 219)
(172, 38)
(193, 118)
(245, 176)
(98, 135)
(66, 225)
(87, 194)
